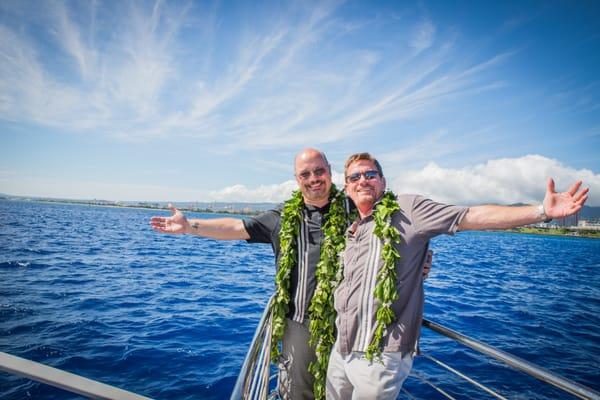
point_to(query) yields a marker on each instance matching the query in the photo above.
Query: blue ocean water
(94, 291)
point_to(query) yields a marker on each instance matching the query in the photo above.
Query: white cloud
(264, 193)
(423, 36)
(502, 181)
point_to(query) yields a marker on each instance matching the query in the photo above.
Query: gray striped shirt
(418, 221)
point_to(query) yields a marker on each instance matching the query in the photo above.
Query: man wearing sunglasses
(350, 374)
(313, 176)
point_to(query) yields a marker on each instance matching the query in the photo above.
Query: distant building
(587, 225)
(573, 220)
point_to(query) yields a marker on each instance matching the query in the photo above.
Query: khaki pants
(354, 377)
(294, 381)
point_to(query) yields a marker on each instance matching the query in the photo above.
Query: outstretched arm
(218, 228)
(556, 205)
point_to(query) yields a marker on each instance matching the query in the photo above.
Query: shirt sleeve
(262, 227)
(435, 218)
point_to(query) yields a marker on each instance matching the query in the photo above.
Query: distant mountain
(590, 213)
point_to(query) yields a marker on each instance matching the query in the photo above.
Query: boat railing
(254, 378)
(64, 380)
(531, 369)
(252, 382)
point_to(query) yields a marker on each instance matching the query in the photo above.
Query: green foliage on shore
(589, 233)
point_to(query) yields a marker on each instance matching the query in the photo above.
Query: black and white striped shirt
(265, 228)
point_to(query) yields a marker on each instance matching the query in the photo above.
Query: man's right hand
(427, 264)
(176, 223)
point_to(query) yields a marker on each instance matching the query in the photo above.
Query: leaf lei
(385, 290)
(321, 310)
(291, 216)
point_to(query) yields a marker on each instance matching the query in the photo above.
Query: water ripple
(96, 292)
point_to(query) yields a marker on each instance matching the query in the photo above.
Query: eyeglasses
(318, 172)
(355, 177)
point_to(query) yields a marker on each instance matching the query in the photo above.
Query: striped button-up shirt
(265, 228)
(418, 221)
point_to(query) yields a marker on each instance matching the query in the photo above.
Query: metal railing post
(252, 355)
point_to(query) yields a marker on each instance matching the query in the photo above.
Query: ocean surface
(94, 291)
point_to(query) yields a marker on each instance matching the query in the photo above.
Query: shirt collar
(323, 209)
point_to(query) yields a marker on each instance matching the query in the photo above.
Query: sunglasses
(318, 172)
(355, 177)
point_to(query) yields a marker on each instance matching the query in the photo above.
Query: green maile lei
(321, 310)
(385, 290)
(328, 273)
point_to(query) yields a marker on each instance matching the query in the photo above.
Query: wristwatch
(542, 213)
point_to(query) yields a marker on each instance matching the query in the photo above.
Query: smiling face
(314, 177)
(364, 192)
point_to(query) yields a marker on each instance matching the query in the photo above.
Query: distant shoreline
(141, 205)
(583, 233)
(565, 232)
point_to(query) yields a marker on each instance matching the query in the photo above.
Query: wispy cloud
(574, 98)
(120, 81)
(240, 81)
(423, 35)
(409, 93)
(516, 22)
(284, 83)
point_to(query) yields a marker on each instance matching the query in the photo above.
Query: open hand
(176, 223)
(561, 205)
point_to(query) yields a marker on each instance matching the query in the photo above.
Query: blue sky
(465, 102)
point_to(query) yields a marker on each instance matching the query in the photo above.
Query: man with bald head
(313, 202)
(313, 175)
